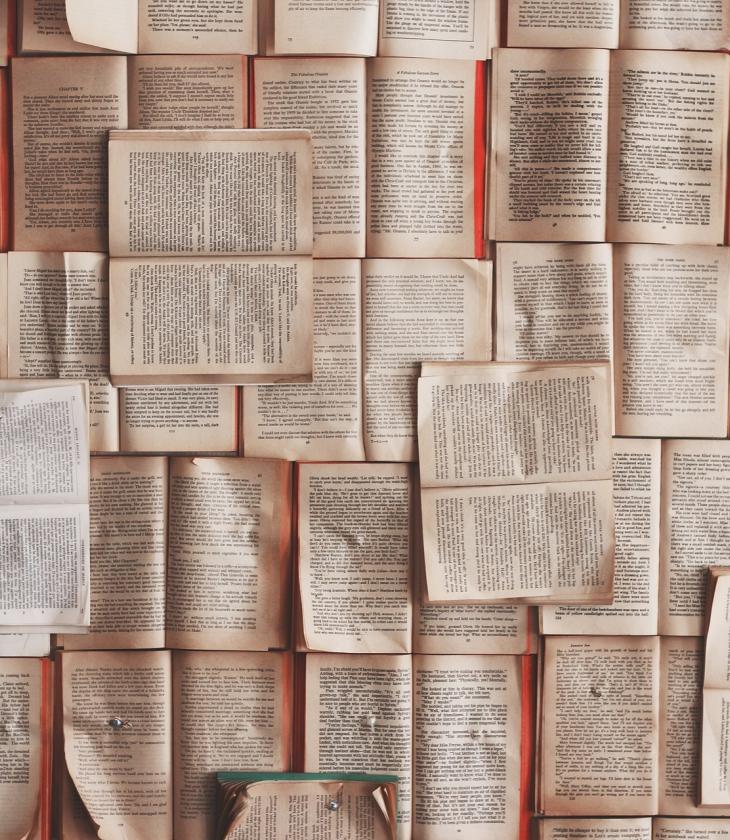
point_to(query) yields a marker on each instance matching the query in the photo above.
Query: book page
(414, 310)
(212, 320)
(359, 712)
(634, 611)
(111, 24)
(321, 420)
(178, 419)
(695, 531)
(228, 554)
(327, 97)
(546, 23)
(715, 762)
(232, 192)
(25, 644)
(58, 315)
(668, 828)
(671, 313)
(594, 828)
(354, 552)
(345, 27)
(188, 92)
(197, 26)
(230, 709)
(548, 159)
(467, 743)
(62, 111)
(600, 705)
(553, 301)
(43, 28)
(668, 147)
(128, 524)
(672, 25)
(117, 729)
(425, 158)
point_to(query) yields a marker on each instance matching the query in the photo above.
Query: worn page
(695, 531)
(553, 301)
(231, 709)
(43, 28)
(634, 611)
(672, 25)
(210, 192)
(354, 551)
(197, 26)
(425, 158)
(188, 91)
(668, 828)
(327, 97)
(346, 27)
(467, 744)
(128, 504)
(228, 554)
(62, 111)
(594, 828)
(178, 419)
(111, 24)
(563, 23)
(600, 742)
(359, 712)
(58, 315)
(416, 310)
(668, 147)
(321, 420)
(672, 333)
(549, 144)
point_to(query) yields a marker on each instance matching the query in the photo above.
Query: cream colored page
(592, 828)
(42, 27)
(467, 744)
(600, 725)
(327, 97)
(553, 301)
(178, 419)
(415, 310)
(354, 552)
(25, 644)
(187, 92)
(548, 160)
(197, 26)
(695, 530)
(421, 158)
(501, 426)
(671, 317)
(677, 104)
(672, 25)
(634, 611)
(359, 711)
(117, 728)
(345, 27)
(566, 23)
(128, 523)
(62, 111)
(20, 753)
(111, 24)
(535, 542)
(231, 709)
(321, 420)
(715, 762)
(228, 554)
(717, 637)
(668, 828)
(58, 314)
(228, 192)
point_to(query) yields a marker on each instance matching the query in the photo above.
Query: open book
(633, 828)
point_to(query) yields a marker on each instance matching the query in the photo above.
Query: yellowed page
(229, 192)
(421, 158)
(553, 301)
(228, 554)
(354, 551)
(359, 712)
(62, 111)
(346, 27)
(673, 25)
(128, 503)
(466, 709)
(215, 320)
(634, 611)
(668, 147)
(550, 123)
(21, 703)
(415, 310)
(187, 92)
(231, 710)
(327, 97)
(321, 420)
(58, 314)
(197, 26)
(42, 27)
(563, 23)
(594, 828)
(600, 742)
(695, 529)
(117, 728)
(111, 24)
(178, 419)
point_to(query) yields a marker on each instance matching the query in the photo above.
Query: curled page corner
(108, 24)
